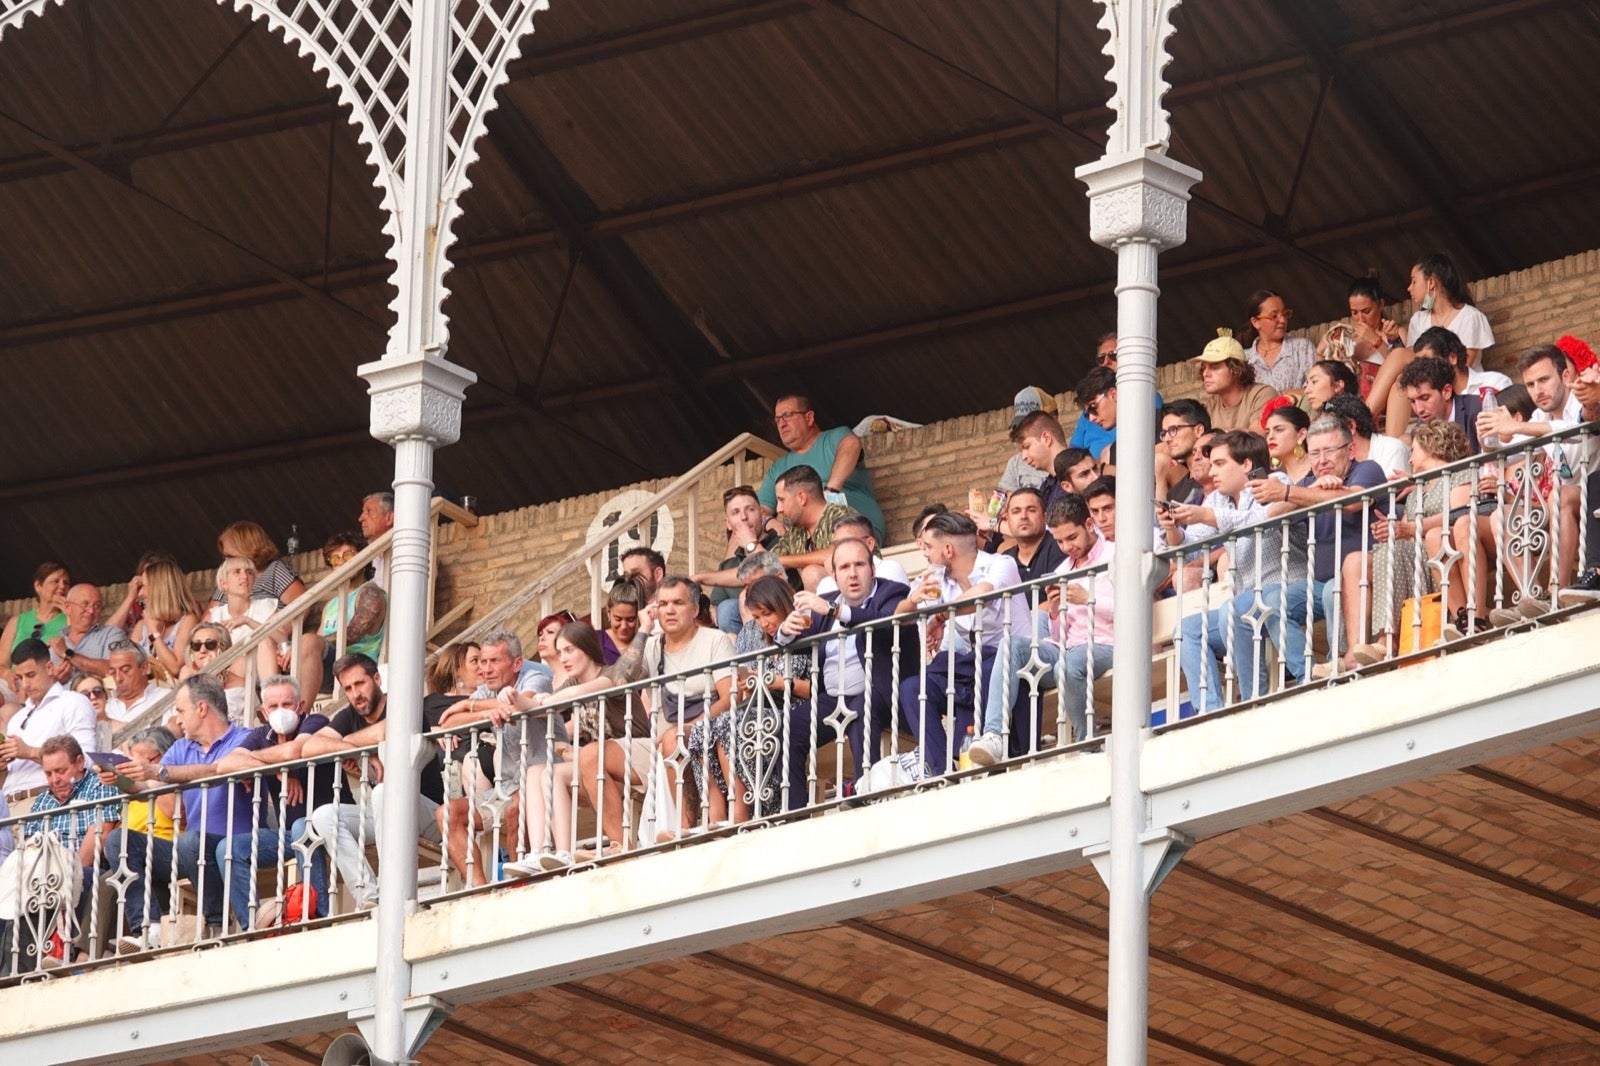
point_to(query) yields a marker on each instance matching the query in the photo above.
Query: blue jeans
(241, 872)
(728, 619)
(1290, 600)
(317, 859)
(1201, 658)
(1005, 681)
(186, 848)
(926, 720)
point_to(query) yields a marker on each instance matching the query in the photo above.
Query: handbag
(1432, 624)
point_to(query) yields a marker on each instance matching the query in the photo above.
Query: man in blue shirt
(1094, 433)
(212, 813)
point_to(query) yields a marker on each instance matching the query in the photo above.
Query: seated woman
(242, 614)
(276, 581)
(1326, 379)
(47, 619)
(549, 628)
(750, 755)
(1391, 570)
(206, 644)
(1278, 361)
(170, 615)
(549, 790)
(623, 604)
(362, 605)
(1286, 426)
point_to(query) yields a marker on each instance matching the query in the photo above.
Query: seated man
(85, 644)
(1039, 439)
(808, 521)
(1183, 423)
(507, 683)
(1430, 386)
(1033, 549)
(1233, 399)
(647, 564)
(49, 709)
(835, 455)
(1075, 470)
(1207, 639)
(211, 815)
(846, 689)
(1097, 397)
(1442, 343)
(855, 525)
(376, 519)
(960, 645)
(1071, 628)
(741, 509)
(130, 677)
(286, 722)
(81, 832)
(1088, 434)
(1101, 496)
(1018, 474)
(1342, 537)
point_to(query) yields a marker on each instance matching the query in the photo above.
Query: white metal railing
(592, 552)
(525, 795)
(287, 624)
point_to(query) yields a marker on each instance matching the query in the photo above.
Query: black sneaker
(1586, 590)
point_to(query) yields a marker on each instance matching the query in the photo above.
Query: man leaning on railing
(213, 812)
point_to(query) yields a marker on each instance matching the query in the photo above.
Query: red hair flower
(1579, 354)
(1272, 405)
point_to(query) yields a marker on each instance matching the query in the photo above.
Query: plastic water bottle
(292, 545)
(1491, 404)
(964, 760)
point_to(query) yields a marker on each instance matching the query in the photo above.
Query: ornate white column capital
(1138, 196)
(417, 397)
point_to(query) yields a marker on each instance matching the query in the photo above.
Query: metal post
(1138, 208)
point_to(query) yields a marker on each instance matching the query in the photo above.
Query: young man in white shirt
(50, 710)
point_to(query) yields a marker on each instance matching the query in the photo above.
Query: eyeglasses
(1106, 358)
(96, 693)
(38, 630)
(1327, 453)
(784, 416)
(204, 645)
(1176, 428)
(1283, 316)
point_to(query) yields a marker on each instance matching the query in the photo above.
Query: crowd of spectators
(805, 634)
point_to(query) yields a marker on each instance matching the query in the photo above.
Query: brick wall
(915, 467)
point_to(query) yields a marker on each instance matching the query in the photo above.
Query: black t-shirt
(347, 721)
(1045, 559)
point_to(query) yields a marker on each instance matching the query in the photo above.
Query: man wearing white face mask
(284, 710)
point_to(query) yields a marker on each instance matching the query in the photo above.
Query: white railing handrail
(309, 600)
(689, 481)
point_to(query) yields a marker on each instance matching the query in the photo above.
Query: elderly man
(85, 644)
(376, 519)
(809, 519)
(507, 684)
(211, 814)
(961, 645)
(1341, 534)
(1073, 626)
(130, 678)
(49, 709)
(81, 831)
(286, 723)
(834, 454)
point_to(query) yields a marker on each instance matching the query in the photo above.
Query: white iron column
(416, 406)
(1138, 206)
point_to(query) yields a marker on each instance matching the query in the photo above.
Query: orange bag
(1432, 620)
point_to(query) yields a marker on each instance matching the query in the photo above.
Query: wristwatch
(164, 774)
(752, 546)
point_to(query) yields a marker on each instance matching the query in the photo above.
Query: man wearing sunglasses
(1091, 434)
(131, 678)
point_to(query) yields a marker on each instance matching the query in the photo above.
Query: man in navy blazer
(844, 673)
(1430, 386)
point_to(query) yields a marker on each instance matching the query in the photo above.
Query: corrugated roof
(869, 200)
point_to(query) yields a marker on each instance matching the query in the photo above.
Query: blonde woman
(170, 615)
(206, 645)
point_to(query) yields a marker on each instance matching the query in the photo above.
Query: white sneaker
(987, 750)
(555, 860)
(1531, 607)
(529, 867)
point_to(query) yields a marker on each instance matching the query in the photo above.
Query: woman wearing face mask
(1443, 299)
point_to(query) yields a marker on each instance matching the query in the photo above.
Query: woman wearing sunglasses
(206, 644)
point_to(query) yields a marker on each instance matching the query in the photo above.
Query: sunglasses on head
(205, 645)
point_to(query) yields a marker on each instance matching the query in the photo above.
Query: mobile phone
(1163, 505)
